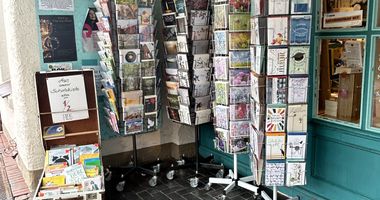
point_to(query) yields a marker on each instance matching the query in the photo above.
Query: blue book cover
(300, 28)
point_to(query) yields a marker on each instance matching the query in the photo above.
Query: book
(220, 16)
(54, 131)
(150, 121)
(275, 146)
(222, 117)
(239, 22)
(74, 174)
(300, 6)
(237, 6)
(276, 89)
(55, 169)
(220, 42)
(277, 61)
(258, 88)
(239, 77)
(299, 60)
(92, 184)
(296, 146)
(53, 181)
(200, 32)
(62, 155)
(148, 85)
(274, 174)
(239, 40)
(133, 118)
(221, 92)
(239, 128)
(201, 61)
(300, 29)
(295, 174)
(199, 17)
(221, 67)
(277, 31)
(49, 192)
(297, 118)
(239, 59)
(239, 95)
(275, 118)
(278, 7)
(298, 88)
(150, 103)
(132, 98)
(84, 157)
(84, 149)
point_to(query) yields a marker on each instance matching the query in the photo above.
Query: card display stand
(79, 132)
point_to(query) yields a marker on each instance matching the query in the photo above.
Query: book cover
(239, 128)
(278, 7)
(220, 16)
(299, 60)
(274, 174)
(221, 67)
(57, 156)
(277, 61)
(148, 85)
(128, 41)
(295, 174)
(200, 32)
(202, 103)
(239, 40)
(296, 146)
(222, 139)
(183, 96)
(300, 6)
(150, 103)
(239, 22)
(239, 95)
(275, 119)
(198, 17)
(182, 46)
(92, 184)
(148, 68)
(182, 27)
(129, 55)
(300, 29)
(277, 31)
(258, 115)
(276, 89)
(298, 87)
(128, 26)
(275, 146)
(173, 114)
(239, 77)
(54, 131)
(74, 174)
(53, 181)
(150, 121)
(145, 15)
(84, 149)
(147, 50)
(222, 117)
(221, 92)
(202, 116)
(221, 42)
(133, 118)
(239, 59)
(201, 61)
(258, 88)
(237, 6)
(55, 170)
(297, 118)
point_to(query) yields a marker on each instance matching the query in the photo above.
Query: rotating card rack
(188, 72)
(232, 87)
(138, 79)
(279, 84)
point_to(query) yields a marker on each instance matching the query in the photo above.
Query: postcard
(258, 55)
(275, 146)
(259, 31)
(145, 16)
(201, 89)
(297, 118)
(132, 98)
(239, 22)
(239, 94)
(278, 7)
(146, 33)
(221, 42)
(197, 4)
(168, 6)
(171, 47)
(276, 89)
(239, 77)
(145, 3)
(148, 68)
(239, 145)
(182, 46)
(200, 46)
(170, 33)
(199, 17)
(296, 146)
(184, 96)
(201, 75)
(172, 87)
(180, 6)
(258, 115)
(200, 32)
(222, 116)
(169, 19)
(128, 26)
(171, 61)
(184, 114)
(126, 11)
(275, 118)
(128, 41)
(299, 60)
(150, 121)
(222, 139)
(147, 50)
(300, 29)
(274, 173)
(221, 67)
(173, 101)
(240, 6)
(239, 40)
(129, 55)
(182, 27)
(184, 80)
(258, 88)
(148, 85)
(201, 61)
(295, 174)
(277, 61)
(133, 118)
(182, 62)
(202, 116)
(202, 103)
(173, 114)
(277, 31)
(258, 7)
(240, 59)
(298, 87)
(239, 112)
(150, 103)
(300, 6)
(220, 16)
(221, 92)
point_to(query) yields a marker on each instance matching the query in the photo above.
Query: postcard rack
(280, 48)
(81, 131)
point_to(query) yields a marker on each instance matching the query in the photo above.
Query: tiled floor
(137, 188)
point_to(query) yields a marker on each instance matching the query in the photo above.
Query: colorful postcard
(240, 59)
(239, 40)
(239, 145)
(299, 60)
(221, 67)
(128, 41)
(295, 173)
(296, 146)
(220, 16)
(173, 114)
(275, 146)
(173, 100)
(172, 87)
(126, 11)
(274, 174)
(297, 118)
(222, 139)
(298, 87)
(145, 16)
(239, 77)
(199, 17)
(239, 112)
(221, 42)
(150, 103)
(146, 33)
(240, 6)
(239, 22)
(277, 31)
(275, 119)
(278, 7)
(148, 85)
(222, 117)
(221, 92)
(239, 95)
(300, 29)
(276, 89)
(133, 118)
(277, 61)
(201, 61)
(146, 50)
(150, 121)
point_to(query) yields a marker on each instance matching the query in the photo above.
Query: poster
(58, 38)
(89, 32)
(67, 97)
(65, 5)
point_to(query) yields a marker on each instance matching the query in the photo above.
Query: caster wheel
(170, 175)
(223, 197)
(120, 186)
(220, 174)
(194, 182)
(157, 168)
(153, 181)
(208, 186)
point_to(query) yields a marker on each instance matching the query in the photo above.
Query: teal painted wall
(343, 160)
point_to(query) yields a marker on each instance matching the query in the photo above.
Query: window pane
(340, 78)
(343, 14)
(376, 87)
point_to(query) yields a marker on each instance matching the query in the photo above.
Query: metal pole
(134, 150)
(196, 149)
(274, 192)
(235, 167)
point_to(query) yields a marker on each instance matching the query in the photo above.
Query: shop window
(337, 14)
(340, 79)
(375, 122)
